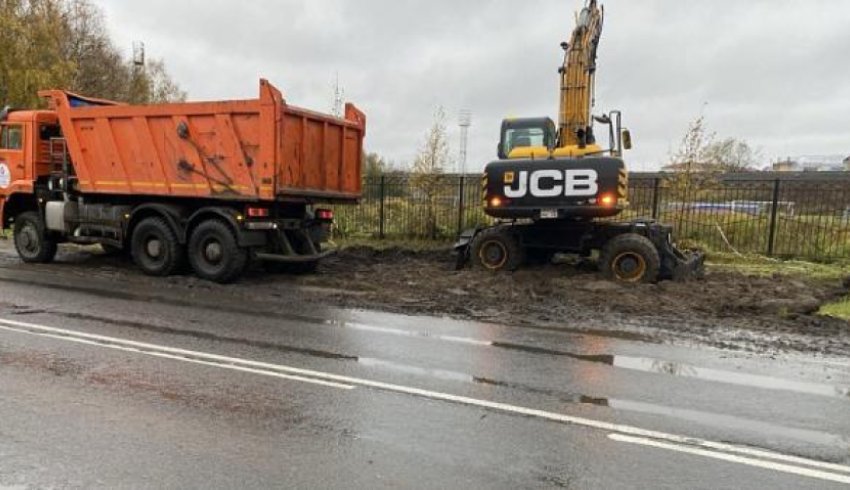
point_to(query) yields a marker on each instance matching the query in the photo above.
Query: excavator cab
(536, 138)
(530, 138)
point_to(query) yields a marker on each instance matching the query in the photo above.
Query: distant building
(813, 163)
(786, 165)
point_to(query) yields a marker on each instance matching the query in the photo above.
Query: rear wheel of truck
(497, 249)
(215, 254)
(31, 239)
(630, 258)
(155, 248)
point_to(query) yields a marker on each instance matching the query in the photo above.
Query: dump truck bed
(261, 149)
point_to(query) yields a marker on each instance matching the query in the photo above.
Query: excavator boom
(575, 127)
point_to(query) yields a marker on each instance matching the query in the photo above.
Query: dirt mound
(724, 308)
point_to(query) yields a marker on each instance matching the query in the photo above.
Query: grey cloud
(772, 72)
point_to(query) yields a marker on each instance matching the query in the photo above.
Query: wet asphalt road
(111, 384)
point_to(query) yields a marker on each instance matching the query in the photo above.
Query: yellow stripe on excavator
(541, 152)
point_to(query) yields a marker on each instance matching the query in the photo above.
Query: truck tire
(155, 248)
(630, 258)
(497, 249)
(215, 254)
(33, 244)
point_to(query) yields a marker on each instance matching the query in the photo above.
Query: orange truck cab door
(14, 174)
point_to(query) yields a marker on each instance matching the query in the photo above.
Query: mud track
(730, 310)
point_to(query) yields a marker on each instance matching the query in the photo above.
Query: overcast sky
(775, 73)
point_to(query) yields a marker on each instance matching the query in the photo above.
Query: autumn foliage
(65, 44)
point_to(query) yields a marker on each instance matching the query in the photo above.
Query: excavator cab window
(518, 133)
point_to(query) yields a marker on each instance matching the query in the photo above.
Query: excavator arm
(575, 126)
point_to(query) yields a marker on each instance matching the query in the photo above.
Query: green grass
(840, 309)
(765, 266)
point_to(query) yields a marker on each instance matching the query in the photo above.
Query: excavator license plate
(548, 214)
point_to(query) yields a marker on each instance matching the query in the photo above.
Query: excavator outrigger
(551, 186)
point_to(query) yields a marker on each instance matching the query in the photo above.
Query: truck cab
(25, 156)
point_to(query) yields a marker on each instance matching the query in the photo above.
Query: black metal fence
(783, 215)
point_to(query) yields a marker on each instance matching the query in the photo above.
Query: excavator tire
(630, 258)
(497, 249)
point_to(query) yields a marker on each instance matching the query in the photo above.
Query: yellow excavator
(551, 186)
(527, 138)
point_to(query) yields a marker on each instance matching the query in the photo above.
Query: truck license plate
(548, 214)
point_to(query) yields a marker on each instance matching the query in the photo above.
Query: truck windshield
(12, 137)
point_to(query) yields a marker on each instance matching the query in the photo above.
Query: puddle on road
(415, 370)
(722, 421)
(650, 365)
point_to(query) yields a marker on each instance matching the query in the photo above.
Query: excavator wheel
(630, 258)
(497, 249)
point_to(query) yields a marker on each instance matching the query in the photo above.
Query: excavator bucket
(681, 265)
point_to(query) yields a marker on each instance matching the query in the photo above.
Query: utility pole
(464, 121)
(339, 96)
(138, 54)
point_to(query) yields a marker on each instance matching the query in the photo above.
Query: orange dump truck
(216, 184)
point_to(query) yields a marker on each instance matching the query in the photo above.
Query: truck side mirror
(499, 152)
(627, 139)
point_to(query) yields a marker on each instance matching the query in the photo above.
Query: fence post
(774, 211)
(656, 201)
(383, 198)
(460, 205)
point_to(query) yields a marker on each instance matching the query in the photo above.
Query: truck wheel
(31, 240)
(215, 254)
(155, 248)
(630, 258)
(497, 249)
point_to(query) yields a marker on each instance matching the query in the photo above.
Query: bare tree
(731, 155)
(691, 172)
(431, 161)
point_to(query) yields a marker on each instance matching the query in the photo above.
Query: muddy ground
(771, 314)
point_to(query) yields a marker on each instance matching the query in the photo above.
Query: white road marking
(346, 382)
(770, 465)
(164, 355)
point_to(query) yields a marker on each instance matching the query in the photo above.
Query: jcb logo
(552, 183)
